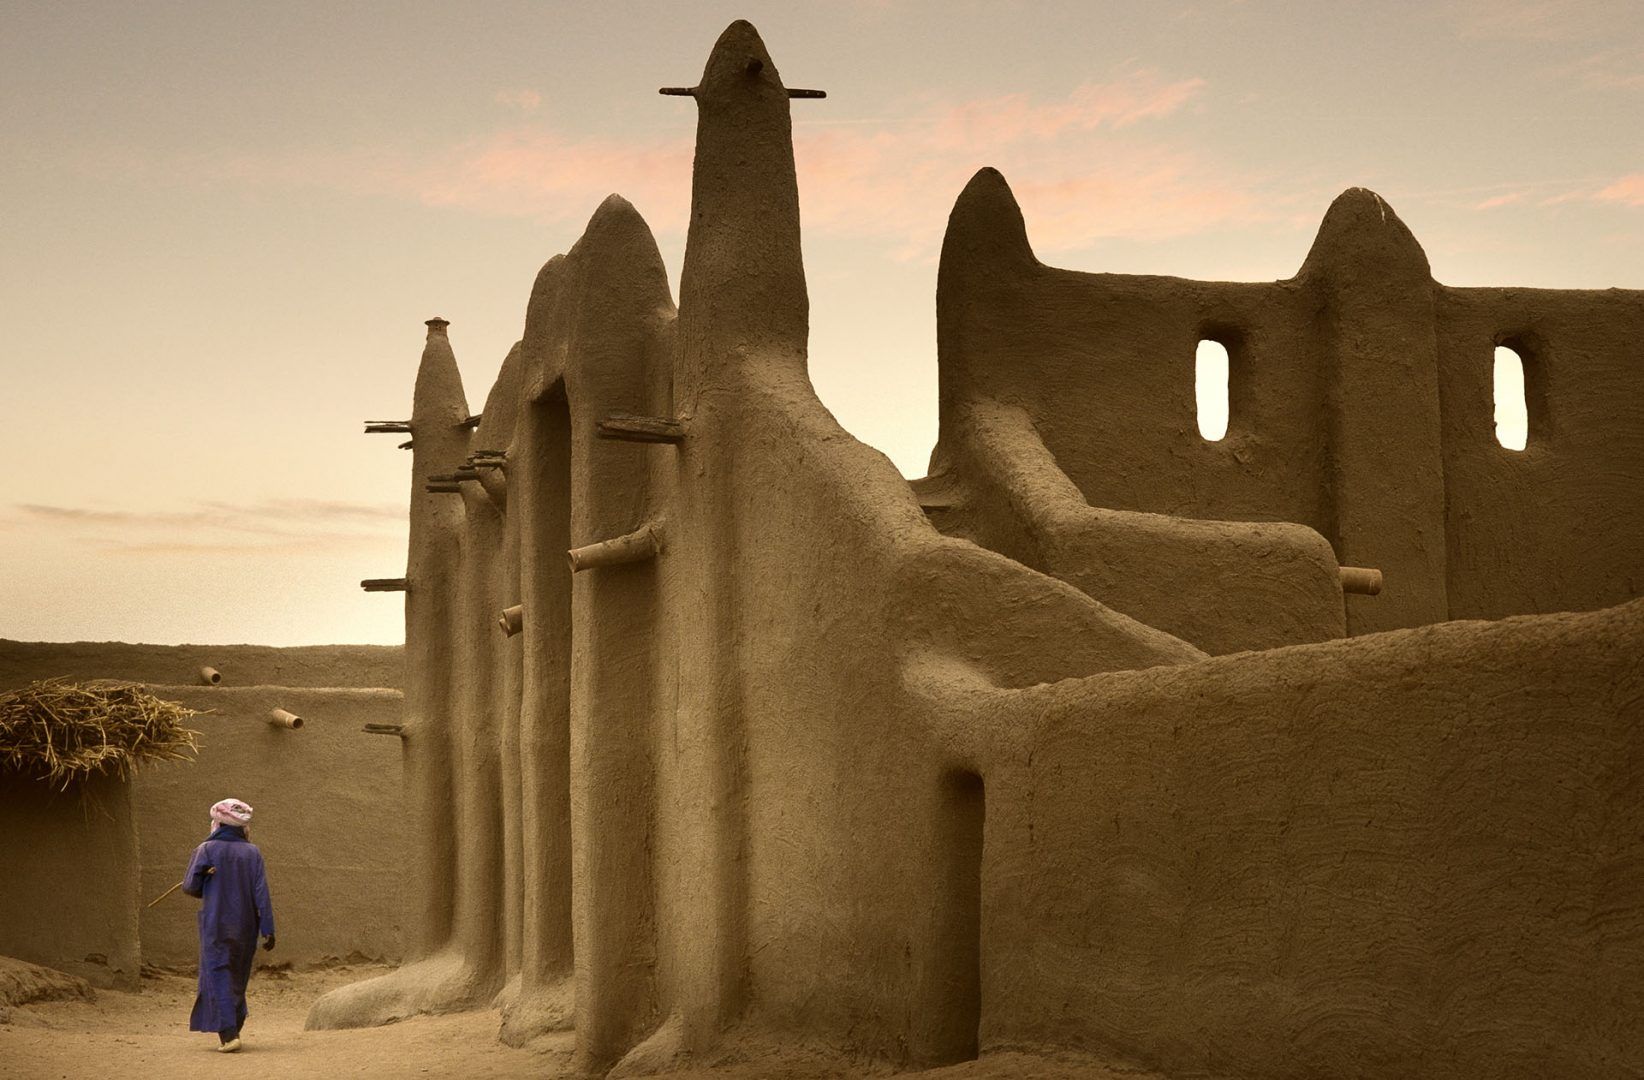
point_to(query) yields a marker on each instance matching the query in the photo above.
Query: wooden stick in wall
(1361, 580)
(641, 544)
(283, 719)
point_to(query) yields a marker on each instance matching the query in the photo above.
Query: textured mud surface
(146, 1035)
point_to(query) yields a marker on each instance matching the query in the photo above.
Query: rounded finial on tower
(437, 324)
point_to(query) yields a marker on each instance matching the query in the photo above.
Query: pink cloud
(1501, 200)
(1088, 165)
(988, 123)
(1079, 173)
(545, 175)
(1563, 197)
(1628, 191)
(1624, 191)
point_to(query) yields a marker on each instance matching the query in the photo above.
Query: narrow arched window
(1210, 376)
(1512, 416)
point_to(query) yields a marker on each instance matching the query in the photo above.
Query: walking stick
(209, 871)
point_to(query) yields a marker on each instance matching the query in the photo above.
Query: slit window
(1512, 417)
(1210, 375)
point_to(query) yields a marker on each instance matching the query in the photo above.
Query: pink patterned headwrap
(231, 812)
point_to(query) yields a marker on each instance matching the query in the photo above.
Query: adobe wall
(1361, 405)
(801, 761)
(1104, 365)
(22, 662)
(329, 819)
(1560, 524)
(1413, 854)
(69, 878)
(1224, 586)
(329, 801)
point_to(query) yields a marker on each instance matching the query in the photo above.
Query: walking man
(227, 873)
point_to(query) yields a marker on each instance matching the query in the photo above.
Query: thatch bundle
(61, 732)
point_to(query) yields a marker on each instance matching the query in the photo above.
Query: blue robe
(235, 911)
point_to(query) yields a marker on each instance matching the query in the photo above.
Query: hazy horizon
(227, 223)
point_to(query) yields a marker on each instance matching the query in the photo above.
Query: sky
(224, 224)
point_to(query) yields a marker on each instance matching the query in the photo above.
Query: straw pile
(60, 732)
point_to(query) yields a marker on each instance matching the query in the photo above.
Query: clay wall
(69, 878)
(329, 820)
(329, 801)
(1104, 365)
(1559, 524)
(798, 855)
(839, 781)
(23, 662)
(1360, 401)
(1416, 854)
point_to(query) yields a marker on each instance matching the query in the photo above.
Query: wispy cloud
(525, 100)
(1099, 161)
(1625, 190)
(1079, 171)
(1628, 191)
(1533, 20)
(1606, 70)
(272, 526)
(550, 176)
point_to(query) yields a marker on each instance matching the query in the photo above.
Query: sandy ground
(141, 1035)
(146, 1034)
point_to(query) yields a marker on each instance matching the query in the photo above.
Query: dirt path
(139, 1036)
(146, 1035)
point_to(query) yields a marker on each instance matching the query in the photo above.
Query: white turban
(231, 812)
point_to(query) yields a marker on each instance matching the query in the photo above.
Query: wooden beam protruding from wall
(1360, 580)
(625, 427)
(281, 718)
(643, 543)
(441, 482)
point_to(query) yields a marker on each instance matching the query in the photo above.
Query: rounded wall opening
(1512, 413)
(1211, 377)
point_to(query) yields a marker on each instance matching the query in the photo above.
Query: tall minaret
(744, 318)
(742, 292)
(438, 445)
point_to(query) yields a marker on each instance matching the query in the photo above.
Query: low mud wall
(174, 665)
(68, 878)
(1414, 854)
(76, 873)
(328, 820)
